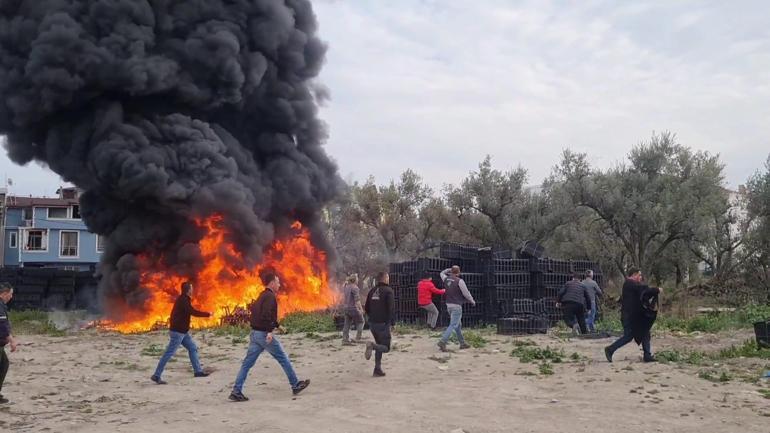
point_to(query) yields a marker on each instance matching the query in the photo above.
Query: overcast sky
(434, 85)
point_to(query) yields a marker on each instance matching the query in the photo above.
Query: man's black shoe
(238, 397)
(378, 373)
(465, 346)
(3, 400)
(650, 359)
(608, 353)
(368, 351)
(301, 385)
(201, 374)
(158, 380)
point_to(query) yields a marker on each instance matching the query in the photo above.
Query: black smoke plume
(164, 111)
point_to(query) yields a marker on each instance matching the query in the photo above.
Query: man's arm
(5, 330)
(367, 305)
(445, 274)
(435, 290)
(599, 291)
(193, 312)
(561, 293)
(466, 293)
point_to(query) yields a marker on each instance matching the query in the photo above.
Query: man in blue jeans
(456, 294)
(264, 320)
(179, 334)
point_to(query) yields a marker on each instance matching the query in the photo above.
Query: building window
(68, 245)
(76, 212)
(57, 212)
(36, 240)
(99, 243)
(27, 213)
(13, 239)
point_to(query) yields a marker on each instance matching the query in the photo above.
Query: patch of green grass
(764, 392)
(741, 318)
(299, 322)
(238, 340)
(715, 376)
(406, 329)
(675, 356)
(472, 338)
(546, 369)
(153, 350)
(528, 354)
(33, 322)
(235, 331)
(749, 349)
(523, 343)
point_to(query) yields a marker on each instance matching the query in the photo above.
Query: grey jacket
(593, 290)
(456, 290)
(352, 297)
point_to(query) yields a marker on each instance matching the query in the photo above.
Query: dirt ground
(95, 381)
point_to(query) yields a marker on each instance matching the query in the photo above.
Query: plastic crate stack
(549, 276)
(517, 312)
(50, 288)
(404, 277)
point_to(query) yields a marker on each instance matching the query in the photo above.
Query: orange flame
(218, 288)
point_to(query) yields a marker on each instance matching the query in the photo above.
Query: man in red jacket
(425, 291)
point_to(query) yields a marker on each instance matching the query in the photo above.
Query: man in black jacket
(635, 321)
(575, 300)
(380, 309)
(6, 293)
(179, 334)
(264, 320)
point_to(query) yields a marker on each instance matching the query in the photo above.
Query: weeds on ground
(407, 329)
(472, 338)
(33, 322)
(715, 376)
(321, 321)
(320, 338)
(153, 350)
(764, 392)
(528, 354)
(235, 331)
(546, 369)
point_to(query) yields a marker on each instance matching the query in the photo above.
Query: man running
(636, 324)
(264, 320)
(179, 334)
(457, 294)
(425, 291)
(380, 306)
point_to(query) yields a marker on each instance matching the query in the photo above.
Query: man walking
(425, 291)
(594, 291)
(354, 312)
(380, 308)
(6, 293)
(264, 321)
(635, 321)
(179, 334)
(574, 299)
(457, 294)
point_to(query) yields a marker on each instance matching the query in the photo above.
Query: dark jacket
(575, 291)
(5, 324)
(264, 312)
(380, 304)
(180, 314)
(631, 299)
(642, 325)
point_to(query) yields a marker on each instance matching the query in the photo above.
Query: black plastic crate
(511, 292)
(509, 265)
(552, 279)
(405, 292)
(433, 264)
(582, 266)
(62, 289)
(476, 280)
(511, 279)
(553, 266)
(395, 268)
(546, 292)
(448, 250)
(522, 324)
(516, 306)
(29, 289)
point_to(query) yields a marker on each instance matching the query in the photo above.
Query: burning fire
(218, 288)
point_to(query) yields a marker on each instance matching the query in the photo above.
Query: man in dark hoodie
(179, 334)
(575, 300)
(6, 293)
(639, 310)
(264, 321)
(380, 308)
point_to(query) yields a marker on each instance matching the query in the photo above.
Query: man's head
(456, 271)
(6, 292)
(352, 279)
(271, 281)
(187, 288)
(575, 275)
(635, 274)
(383, 277)
(589, 273)
(426, 275)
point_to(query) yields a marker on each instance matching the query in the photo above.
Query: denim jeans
(353, 317)
(257, 344)
(175, 340)
(628, 336)
(381, 334)
(591, 319)
(455, 323)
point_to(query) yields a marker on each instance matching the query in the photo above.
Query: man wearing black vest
(379, 307)
(456, 294)
(264, 320)
(179, 334)
(633, 315)
(6, 293)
